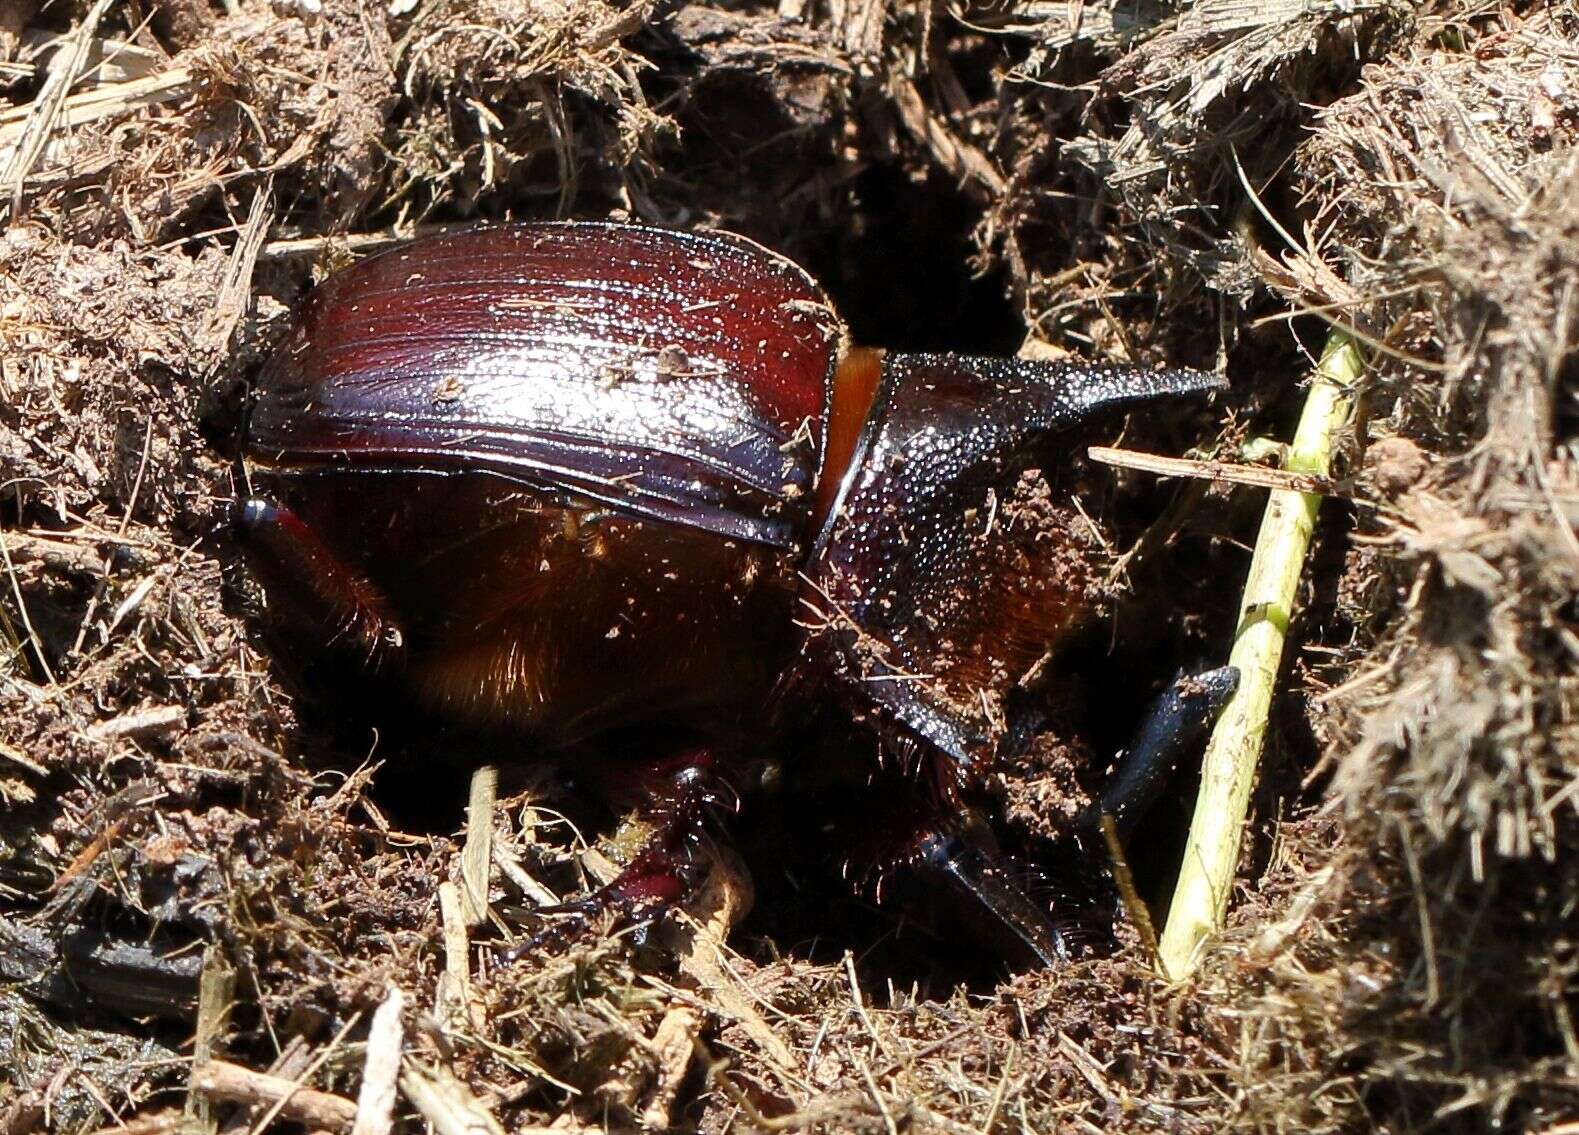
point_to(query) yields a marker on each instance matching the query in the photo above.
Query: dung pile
(190, 846)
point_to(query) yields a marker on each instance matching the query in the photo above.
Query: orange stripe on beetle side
(854, 389)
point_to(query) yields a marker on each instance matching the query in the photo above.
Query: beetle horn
(941, 415)
(1092, 388)
(1021, 396)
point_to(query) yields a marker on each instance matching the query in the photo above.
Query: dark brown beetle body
(569, 478)
(574, 462)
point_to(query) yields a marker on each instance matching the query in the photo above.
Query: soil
(212, 870)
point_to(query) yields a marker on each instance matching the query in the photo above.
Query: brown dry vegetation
(1209, 183)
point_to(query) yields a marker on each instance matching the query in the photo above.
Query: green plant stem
(1211, 854)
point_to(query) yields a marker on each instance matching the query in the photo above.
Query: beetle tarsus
(1178, 720)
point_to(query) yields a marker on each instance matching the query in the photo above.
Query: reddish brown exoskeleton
(568, 479)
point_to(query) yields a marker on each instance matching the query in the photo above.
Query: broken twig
(324, 1111)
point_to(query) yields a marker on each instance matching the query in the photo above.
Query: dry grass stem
(375, 1102)
(1124, 879)
(447, 1103)
(216, 994)
(454, 1001)
(477, 853)
(673, 1044)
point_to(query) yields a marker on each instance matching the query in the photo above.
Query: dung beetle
(580, 480)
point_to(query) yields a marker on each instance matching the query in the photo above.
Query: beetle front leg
(941, 853)
(1176, 723)
(981, 877)
(309, 582)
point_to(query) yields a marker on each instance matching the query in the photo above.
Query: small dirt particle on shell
(447, 390)
(673, 362)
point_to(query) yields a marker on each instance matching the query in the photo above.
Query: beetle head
(945, 571)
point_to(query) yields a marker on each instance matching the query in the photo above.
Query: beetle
(573, 480)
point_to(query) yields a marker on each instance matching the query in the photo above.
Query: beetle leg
(678, 793)
(941, 854)
(982, 879)
(663, 871)
(304, 575)
(1177, 721)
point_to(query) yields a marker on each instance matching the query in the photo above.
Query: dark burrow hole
(902, 276)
